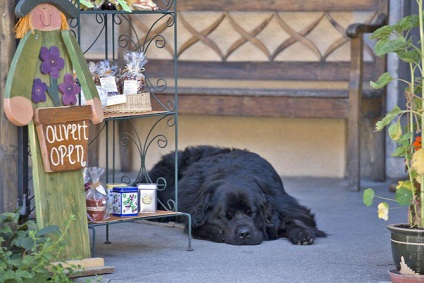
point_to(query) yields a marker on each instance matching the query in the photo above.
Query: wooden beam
(9, 132)
(87, 267)
(316, 71)
(277, 5)
(260, 106)
(353, 126)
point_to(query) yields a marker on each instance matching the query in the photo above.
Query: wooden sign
(63, 136)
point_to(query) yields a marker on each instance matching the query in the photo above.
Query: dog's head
(234, 213)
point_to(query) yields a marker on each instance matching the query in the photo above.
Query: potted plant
(405, 127)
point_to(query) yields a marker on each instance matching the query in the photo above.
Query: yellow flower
(404, 184)
(418, 161)
(383, 210)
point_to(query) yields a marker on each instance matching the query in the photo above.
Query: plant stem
(411, 114)
(420, 16)
(383, 198)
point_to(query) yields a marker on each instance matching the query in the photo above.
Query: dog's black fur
(234, 196)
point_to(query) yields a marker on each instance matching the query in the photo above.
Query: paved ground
(356, 250)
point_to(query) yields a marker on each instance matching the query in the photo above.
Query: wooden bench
(298, 59)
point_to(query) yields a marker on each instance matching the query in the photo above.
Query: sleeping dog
(234, 196)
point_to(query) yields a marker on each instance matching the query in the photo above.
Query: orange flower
(417, 143)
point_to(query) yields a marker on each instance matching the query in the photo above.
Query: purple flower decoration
(39, 89)
(69, 89)
(52, 62)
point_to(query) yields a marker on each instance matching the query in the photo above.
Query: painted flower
(52, 62)
(39, 89)
(69, 89)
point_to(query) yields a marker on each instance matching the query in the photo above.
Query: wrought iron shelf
(124, 116)
(115, 12)
(157, 129)
(141, 216)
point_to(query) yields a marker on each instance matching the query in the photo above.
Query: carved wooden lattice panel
(259, 36)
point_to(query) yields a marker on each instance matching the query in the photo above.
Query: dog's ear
(271, 220)
(201, 211)
(268, 213)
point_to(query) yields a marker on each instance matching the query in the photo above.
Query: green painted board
(57, 196)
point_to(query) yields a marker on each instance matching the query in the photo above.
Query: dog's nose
(244, 233)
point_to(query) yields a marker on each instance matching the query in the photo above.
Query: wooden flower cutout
(69, 89)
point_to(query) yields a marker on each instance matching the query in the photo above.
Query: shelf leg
(107, 235)
(93, 242)
(189, 248)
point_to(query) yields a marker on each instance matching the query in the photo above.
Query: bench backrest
(268, 47)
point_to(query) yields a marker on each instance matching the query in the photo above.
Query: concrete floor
(357, 248)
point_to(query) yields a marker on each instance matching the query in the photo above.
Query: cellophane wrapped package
(95, 195)
(132, 79)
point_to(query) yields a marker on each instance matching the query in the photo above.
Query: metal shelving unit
(116, 32)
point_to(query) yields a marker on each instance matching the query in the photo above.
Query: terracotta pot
(408, 243)
(402, 278)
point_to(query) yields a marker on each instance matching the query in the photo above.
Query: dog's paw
(301, 236)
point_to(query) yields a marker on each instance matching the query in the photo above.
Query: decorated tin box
(125, 201)
(109, 194)
(147, 197)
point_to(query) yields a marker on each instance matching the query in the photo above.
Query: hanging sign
(63, 136)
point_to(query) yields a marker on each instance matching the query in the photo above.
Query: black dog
(234, 196)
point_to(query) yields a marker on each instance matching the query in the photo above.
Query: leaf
(382, 81)
(412, 56)
(368, 196)
(9, 275)
(88, 4)
(418, 162)
(26, 243)
(395, 131)
(404, 184)
(27, 259)
(407, 23)
(388, 118)
(384, 46)
(383, 211)
(383, 32)
(52, 229)
(23, 274)
(399, 151)
(9, 217)
(403, 196)
(5, 230)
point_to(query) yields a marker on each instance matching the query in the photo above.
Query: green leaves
(403, 25)
(403, 196)
(382, 81)
(368, 196)
(386, 45)
(412, 56)
(26, 251)
(388, 118)
(53, 229)
(402, 40)
(407, 23)
(383, 32)
(395, 131)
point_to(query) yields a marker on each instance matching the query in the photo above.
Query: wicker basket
(136, 103)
